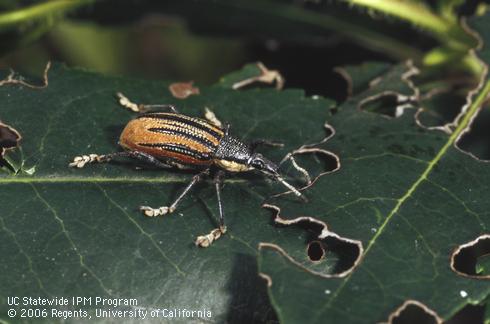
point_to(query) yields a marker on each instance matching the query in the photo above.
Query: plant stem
(447, 31)
(13, 18)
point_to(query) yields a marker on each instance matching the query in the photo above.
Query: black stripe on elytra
(182, 149)
(187, 135)
(186, 121)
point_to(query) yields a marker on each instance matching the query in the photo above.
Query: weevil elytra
(173, 140)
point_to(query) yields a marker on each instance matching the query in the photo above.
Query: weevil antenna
(290, 187)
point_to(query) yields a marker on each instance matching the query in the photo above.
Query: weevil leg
(256, 143)
(207, 240)
(163, 210)
(80, 161)
(142, 108)
(218, 183)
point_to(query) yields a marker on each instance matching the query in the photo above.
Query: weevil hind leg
(143, 108)
(163, 210)
(82, 160)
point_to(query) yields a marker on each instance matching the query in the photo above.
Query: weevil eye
(258, 164)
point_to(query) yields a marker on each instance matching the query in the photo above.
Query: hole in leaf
(468, 314)
(310, 163)
(346, 253)
(442, 108)
(343, 253)
(477, 140)
(384, 105)
(473, 259)
(414, 314)
(315, 251)
(413, 311)
(9, 139)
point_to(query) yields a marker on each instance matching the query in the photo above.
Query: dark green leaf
(411, 197)
(78, 232)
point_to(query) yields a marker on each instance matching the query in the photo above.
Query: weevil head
(259, 162)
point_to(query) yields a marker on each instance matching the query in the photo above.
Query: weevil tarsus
(143, 108)
(208, 239)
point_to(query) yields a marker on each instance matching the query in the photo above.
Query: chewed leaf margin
(414, 303)
(324, 233)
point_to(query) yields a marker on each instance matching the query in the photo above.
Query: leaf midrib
(103, 180)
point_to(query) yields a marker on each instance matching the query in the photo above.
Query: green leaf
(410, 196)
(78, 232)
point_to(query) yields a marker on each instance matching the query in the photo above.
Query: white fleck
(374, 230)
(463, 294)
(181, 215)
(327, 292)
(315, 97)
(416, 244)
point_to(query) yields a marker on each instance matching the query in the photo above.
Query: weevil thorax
(233, 155)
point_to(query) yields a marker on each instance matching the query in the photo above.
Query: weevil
(169, 139)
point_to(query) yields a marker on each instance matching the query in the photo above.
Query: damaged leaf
(410, 196)
(253, 73)
(78, 232)
(9, 139)
(183, 90)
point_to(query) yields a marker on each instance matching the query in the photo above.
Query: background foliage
(305, 41)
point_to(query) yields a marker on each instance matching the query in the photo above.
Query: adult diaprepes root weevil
(173, 140)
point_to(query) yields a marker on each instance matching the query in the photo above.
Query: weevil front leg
(142, 108)
(163, 210)
(208, 239)
(80, 161)
(256, 143)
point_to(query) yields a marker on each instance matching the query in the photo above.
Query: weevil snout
(259, 162)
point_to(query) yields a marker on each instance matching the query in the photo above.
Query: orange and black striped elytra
(171, 139)
(186, 141)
